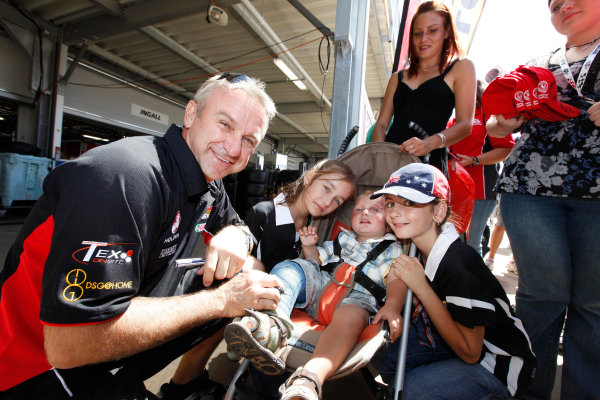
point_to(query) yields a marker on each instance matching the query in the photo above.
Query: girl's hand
(308, 236)
(465, 161)
(416, 147)
(411, 272)
(594, 112)
(394, 319)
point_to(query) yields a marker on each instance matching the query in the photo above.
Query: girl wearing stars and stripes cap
(459, 305)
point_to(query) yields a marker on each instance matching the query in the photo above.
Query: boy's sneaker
(489, 263)
(259, 337)
(200, 388)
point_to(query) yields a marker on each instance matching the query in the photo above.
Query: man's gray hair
(230, 81)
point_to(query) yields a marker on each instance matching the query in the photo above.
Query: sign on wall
(148, 114)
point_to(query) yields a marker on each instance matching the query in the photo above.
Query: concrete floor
(350, 387)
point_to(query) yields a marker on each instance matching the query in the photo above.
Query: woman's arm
(387, 110)
(491, 157)
(498, 126)
(464, 88)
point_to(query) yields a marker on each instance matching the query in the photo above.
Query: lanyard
(566, 70)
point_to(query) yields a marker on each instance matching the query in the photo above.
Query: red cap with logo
(528, 90)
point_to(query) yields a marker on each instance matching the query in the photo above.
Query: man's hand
(249, 289)
(225, 255)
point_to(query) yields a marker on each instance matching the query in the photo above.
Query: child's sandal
(308, 389)
(261, 343)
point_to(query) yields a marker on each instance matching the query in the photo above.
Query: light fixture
(1, 118)
(216, 15)
(289, 73)
(95, 138)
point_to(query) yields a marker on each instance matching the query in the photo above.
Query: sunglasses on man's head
(233, 77)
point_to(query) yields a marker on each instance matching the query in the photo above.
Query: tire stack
(230, 183)
(284, 177)
(253, 186)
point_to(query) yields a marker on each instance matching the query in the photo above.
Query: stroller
(372, 163)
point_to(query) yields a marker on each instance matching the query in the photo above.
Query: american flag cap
(417, 182)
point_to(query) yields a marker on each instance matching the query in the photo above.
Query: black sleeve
(256, 220)
(465, 287)
(106, 203)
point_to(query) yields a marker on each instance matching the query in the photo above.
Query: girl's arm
(392, 309)
(387, 110)
(467, 343)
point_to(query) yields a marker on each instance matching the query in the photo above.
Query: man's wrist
(248, 237)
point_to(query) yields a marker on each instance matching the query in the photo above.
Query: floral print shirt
(558, 159)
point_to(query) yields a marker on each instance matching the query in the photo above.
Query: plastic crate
(21, 177)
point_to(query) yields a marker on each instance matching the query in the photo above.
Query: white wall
(15, 70)
(114, 105)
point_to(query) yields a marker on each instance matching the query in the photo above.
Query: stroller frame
(372, 163)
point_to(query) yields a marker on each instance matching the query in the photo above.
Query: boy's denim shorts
(316, 280)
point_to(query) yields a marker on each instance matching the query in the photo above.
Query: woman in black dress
(434, 84)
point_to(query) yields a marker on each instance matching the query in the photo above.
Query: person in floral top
(550, 205)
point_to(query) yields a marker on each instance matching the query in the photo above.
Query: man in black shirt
(92, 302)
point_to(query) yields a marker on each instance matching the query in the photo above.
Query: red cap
(530, 95)
(548, 96)
(497, 99)
(528, 90)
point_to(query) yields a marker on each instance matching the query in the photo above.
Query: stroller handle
(401, 363)
(347, 140)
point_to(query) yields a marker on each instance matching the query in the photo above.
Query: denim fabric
(293, 281)
(555, 245)
(481, 213)
(416, 352)
(452, 379)
(303, 281)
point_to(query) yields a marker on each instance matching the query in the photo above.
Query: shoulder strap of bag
(337, 250)
(363, 279)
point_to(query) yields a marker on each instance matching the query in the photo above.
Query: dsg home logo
(77, 284)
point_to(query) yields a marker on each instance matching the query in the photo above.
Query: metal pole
(401, 363)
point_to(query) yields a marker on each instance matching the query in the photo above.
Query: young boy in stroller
(261, 336)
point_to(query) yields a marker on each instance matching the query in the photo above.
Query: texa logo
(103, 252)
(176, 223)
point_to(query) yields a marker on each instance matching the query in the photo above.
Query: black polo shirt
(107, 228)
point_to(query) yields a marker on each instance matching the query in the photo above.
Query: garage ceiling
(169, 48)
